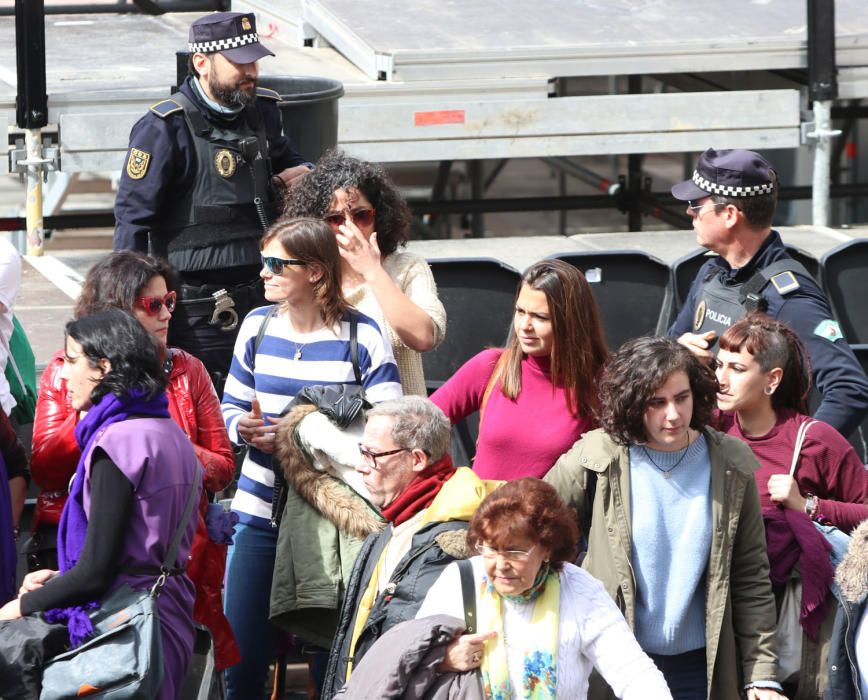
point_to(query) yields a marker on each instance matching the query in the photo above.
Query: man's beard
(232, 95)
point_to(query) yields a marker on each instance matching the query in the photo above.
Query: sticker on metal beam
(443, 116)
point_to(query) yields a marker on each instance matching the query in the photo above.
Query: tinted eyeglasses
(371, 457)
(362, 217)
(153, 305)
(275, 265)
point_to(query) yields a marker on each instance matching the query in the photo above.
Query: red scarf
(420, 492)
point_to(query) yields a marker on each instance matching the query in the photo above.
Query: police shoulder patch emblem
(137, 164)
(699, 315)
(829, 329)
(225, 163)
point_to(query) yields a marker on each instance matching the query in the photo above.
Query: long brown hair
(774, 344)
(312, 241)
(579, 348)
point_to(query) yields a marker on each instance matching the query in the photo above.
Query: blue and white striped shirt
(278, 377)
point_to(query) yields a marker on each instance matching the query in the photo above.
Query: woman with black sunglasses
(302, 339)
(371, 222)
(143, 287)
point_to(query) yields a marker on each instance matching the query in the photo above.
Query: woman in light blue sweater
(674, 526)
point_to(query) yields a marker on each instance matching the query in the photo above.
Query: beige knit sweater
(413, 276)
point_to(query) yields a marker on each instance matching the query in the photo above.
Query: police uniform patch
(785, 283)
(829, 329)
(245, 24)
(699, 315)
(225, 163)
(137, 164)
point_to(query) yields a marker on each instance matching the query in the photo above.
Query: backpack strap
(468, 592)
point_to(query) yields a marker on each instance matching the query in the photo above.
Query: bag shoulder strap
(797, 448)
(354, 348)
(172, 552)
(468, 592)
(260, 334)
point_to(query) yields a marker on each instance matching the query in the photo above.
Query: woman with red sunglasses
(372, 223)
(143, 287)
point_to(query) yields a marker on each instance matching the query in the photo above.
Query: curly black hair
(116, 336)
(312, 195)
(633, 375)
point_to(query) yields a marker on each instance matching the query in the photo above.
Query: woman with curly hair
(674, 527)
(371, 222)
(543, 623)
(537, 395)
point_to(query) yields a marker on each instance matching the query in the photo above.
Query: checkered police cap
(231, 33)
(730, 173)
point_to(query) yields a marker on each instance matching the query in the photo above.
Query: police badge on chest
(225, 161)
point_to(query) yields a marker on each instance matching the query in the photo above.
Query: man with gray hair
(427, 504)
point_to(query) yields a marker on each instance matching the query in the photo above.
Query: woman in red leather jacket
(141, 286)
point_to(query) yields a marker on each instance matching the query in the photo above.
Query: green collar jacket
(594, 478)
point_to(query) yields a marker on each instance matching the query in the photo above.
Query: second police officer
(201, 183)
(732, 198)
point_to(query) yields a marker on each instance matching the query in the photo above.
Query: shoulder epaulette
(267, 94)
(165, 108)
(785, 282)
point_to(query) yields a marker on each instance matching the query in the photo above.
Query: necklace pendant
(666, 474)
(297, 355)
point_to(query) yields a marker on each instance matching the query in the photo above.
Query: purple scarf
(73, 521)
(791, 538)
(8, 555)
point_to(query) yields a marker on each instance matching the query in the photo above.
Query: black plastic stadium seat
(632, 289)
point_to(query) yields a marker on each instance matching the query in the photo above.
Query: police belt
(215, 301)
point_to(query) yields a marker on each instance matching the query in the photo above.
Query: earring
(768, 391)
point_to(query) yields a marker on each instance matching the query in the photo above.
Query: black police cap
(731, 173)
(231, 33)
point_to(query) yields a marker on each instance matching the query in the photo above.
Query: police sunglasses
(153, 305)
(360, 217)
(275, 265)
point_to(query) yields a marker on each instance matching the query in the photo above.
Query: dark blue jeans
(684, 673)
(249, 568)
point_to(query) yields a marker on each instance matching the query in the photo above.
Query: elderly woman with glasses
(371, 222)
(302, 339)
(143, 287)
(543, 623)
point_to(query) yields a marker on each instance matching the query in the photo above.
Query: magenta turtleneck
(518, 438)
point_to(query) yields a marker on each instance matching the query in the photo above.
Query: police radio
(251, 155)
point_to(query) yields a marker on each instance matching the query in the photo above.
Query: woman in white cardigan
(544, 624)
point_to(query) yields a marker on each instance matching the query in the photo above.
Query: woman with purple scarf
(128, 493)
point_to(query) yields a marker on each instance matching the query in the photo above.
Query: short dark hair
(118, 279)
(312, 241)
(758, 211)
(633, 375)
(774, 344)
(312, 195)
(116, 336)
(527, 509)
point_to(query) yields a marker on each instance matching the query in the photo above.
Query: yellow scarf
(539, 643)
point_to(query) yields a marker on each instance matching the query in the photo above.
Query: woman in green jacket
(674, 526)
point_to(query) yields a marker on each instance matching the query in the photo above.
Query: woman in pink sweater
(537, 395)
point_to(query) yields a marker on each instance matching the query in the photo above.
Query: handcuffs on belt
(224, 314)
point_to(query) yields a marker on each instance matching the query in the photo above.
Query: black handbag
(124, 657)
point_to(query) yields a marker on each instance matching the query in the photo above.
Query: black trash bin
(309, 110)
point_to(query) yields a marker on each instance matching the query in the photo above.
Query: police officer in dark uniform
(732, 198)
(202, 181)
